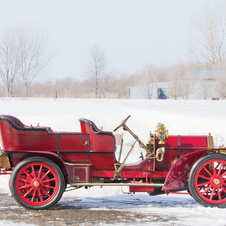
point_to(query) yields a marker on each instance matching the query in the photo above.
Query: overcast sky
(133, 33)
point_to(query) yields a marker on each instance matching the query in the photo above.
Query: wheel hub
(36, 184)
(216, 181)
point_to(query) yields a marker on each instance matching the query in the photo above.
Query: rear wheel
(207, 181)
(37, 183)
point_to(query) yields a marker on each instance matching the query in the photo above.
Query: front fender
(177, 176)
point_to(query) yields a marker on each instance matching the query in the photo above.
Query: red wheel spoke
(205, 183)
(25, 186)
(48, 186)
(219, 195)
(217, 165)
(33, 196)
(223, 174)
(207, 178)
(33, 174)
(211, 197)
(40, 196)
(25, 171)
(220, 168)
(40, 171)
(207, 189)
(207, 171)
(46, 193)
(27, 180)
(49, 180)
(46, 174)
(214, 171)
(28, 192)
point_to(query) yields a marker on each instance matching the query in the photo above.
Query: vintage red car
(44, 163)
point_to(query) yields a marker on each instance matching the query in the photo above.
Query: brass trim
(210, 141)
(86, 142)
(161, 133)
(119, 166)
(223, 152)
(160, 152)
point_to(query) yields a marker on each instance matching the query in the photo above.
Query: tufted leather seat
(15, 121)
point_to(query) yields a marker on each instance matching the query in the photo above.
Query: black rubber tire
(41, 160)
(191, 180)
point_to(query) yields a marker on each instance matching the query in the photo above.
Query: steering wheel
(123, 122)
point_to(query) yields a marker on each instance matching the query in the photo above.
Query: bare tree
(9, 60)
(96, 71)
(148, 78)
(187, 87)
(145, 80)
(188, 81)
(220, 83)
(207, 33)
(33, 55)
(175, 76)
(22, 54)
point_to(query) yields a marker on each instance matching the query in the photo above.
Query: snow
(192, 117)
(9, 223)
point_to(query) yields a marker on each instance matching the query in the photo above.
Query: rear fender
(16, 157)
(177, 176)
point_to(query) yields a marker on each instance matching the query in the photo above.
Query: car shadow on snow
(128, 201)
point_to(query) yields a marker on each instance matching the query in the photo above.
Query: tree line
(111, 88)
(116, 86)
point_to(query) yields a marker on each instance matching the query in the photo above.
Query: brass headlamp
(161, 133)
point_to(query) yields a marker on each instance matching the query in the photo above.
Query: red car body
(39, 158)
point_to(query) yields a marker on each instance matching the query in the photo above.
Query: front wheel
(37, 183)
(207, 181)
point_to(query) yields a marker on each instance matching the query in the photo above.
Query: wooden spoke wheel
(37, 183)
(207, 181)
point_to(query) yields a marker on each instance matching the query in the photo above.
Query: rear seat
(14, 120)
(17, 123)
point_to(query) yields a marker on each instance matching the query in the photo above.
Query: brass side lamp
(161, 133)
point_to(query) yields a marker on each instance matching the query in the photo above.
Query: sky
(133, 33)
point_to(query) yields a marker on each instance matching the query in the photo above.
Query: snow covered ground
(193, 117)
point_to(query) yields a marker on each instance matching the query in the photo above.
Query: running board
(117, 184)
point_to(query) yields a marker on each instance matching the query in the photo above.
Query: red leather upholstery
(14, 120)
